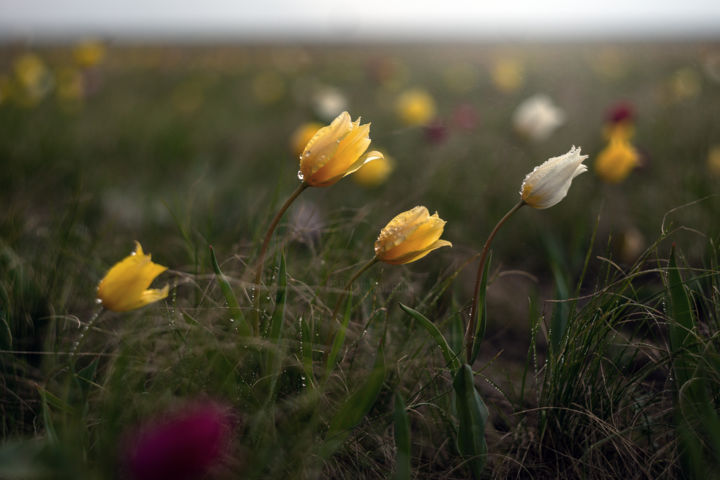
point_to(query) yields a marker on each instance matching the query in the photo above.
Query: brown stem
(266, 243)
(472, 324)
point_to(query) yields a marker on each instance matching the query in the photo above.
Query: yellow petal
(399, 228)
(124, 286)
(424, 235)
(413, 256)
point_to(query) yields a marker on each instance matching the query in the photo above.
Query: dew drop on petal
(300, 175)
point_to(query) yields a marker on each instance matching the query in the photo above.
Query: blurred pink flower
(465, 117)
(620, 112)
(184, 445)
(436, 131)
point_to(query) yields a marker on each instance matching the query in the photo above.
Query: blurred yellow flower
(549, 183)
(125, 285)
(33, 77)
(461, 77)
(89, 53)
(609, 63)
(415, 107)
(508, 74)
(713, 160)
(615, 162)
(69, 85)
(410, 236)
(5, 88)
(302, 135)
(685, 84)
(374, 173)
(336, 151)
(268, 87)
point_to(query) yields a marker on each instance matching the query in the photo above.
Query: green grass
(596, 361)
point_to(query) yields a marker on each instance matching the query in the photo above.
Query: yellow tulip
(302, 135)
(336, 151)
(415, 107)
(410, 236)
(615, 162)
(549, 183)
(374, 173)
(508, 75)
(125, 285)
(89, 53)
(713, 160)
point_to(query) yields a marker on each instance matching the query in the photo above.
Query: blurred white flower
(329, 102)
(549, 183)
(537, 117)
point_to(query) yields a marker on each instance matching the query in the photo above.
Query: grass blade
(230, 299)
(451, 357)
(354, 409)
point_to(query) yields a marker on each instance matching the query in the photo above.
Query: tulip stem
(346, 290)
(266, 243)
(331, 333)
(83, 332)
(472, 324)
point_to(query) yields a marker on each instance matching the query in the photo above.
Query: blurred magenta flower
(620, 121)
(436, 131)
(184, 445)
(465, 117)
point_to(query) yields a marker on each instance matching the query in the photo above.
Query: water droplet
(232, 320)
(98, 301)
(307, 153)
(300, 175)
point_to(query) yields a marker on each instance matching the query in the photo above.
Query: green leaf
(472, 416)
(354, 409)
(402, 440)
(339, 338)
(451, 357)
(683, 323)
(273, 359)
(306, 346)
(481, 324)
(560, 314)
(230, 299)
(278, 317)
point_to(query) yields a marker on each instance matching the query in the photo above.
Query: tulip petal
(147, 297)
(425, 234)
(417, 255)
(124, 287)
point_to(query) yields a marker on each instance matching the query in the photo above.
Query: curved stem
(271, 229)
(472, 324)
(346, 290)
(85, 328)
(266, 243)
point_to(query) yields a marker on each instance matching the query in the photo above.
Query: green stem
(472, 324)
(346, 290)
(83, 332)
(266, 243)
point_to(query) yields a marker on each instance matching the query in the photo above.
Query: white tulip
(537, 117)
(548, 183)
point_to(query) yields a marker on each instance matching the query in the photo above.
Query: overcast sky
(359, 19)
